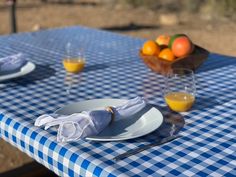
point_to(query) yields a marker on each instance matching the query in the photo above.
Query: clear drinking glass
(74, 60)
(72, 81)
(180, 89)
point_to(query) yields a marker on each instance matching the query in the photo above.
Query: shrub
(223, 7)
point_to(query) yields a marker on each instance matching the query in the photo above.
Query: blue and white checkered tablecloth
(114, 70)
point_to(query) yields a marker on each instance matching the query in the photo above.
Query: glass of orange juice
(180, 89)
(74, 61)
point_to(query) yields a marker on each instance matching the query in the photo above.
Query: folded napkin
(12, 64)
(87, 123)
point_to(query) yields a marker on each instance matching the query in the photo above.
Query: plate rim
(120, 138)
(20, 73)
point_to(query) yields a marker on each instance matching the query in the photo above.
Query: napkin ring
(110, 109)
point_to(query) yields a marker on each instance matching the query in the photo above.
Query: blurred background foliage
(226, 8)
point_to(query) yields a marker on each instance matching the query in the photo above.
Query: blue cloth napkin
(80, 125)
(12, 64)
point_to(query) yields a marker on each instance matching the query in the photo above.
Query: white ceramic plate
(136, 126)
(26, 69)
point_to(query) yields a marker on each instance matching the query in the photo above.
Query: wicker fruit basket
(161, 66)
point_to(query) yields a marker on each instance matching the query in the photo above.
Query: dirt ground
(216, 35)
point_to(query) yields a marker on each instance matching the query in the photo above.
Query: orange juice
(179, 101)
(74, 65)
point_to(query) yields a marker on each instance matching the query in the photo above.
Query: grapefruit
(172, 38)
(181, 46)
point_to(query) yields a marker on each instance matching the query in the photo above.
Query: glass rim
(180, 71)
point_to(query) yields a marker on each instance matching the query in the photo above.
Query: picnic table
(207, 145)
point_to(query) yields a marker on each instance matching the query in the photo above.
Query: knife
(145, 147)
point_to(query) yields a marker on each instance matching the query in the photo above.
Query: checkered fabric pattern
(114, 70)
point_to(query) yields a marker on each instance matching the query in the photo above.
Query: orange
(151, 48)
(166, 54)
(182, 46)
(163, 39)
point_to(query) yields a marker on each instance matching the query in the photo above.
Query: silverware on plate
(145, 147)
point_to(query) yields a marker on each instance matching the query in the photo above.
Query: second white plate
(26, 69)
(142, 123)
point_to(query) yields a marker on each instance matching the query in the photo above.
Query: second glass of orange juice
(180, 90)
(74, 61)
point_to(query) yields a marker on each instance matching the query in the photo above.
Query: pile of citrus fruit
(169, 47)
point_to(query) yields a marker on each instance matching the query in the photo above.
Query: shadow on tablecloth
(216, 61)
(41, 72)
(172, 124)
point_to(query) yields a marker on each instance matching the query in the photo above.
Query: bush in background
(214, 7)
(225, 8)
